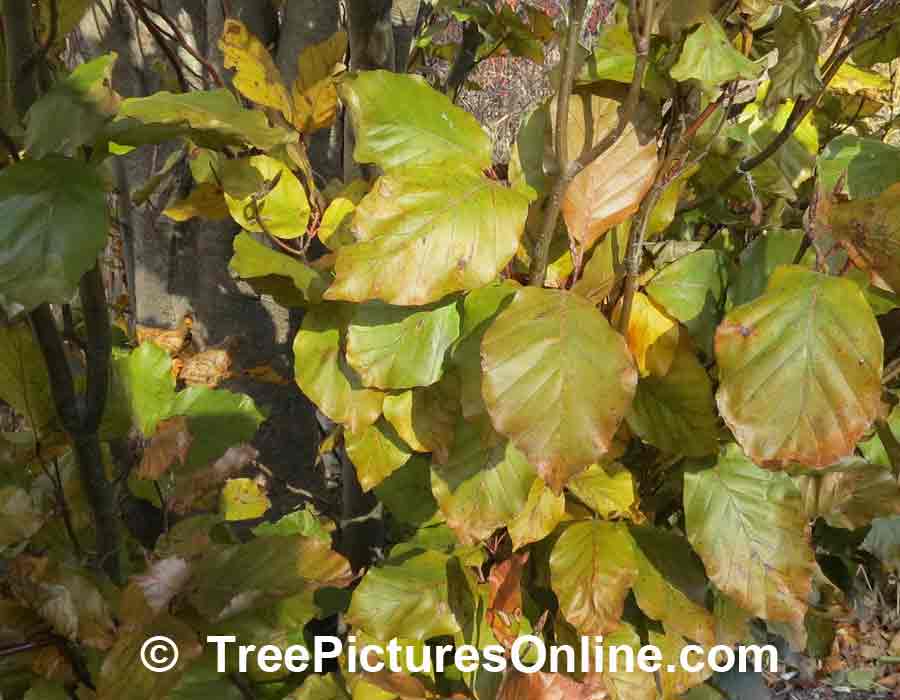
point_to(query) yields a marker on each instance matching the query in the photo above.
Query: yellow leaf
(652, 336)
(257, 77)
(334, 231)
(206, 201)
(243, 499)
(314, 95)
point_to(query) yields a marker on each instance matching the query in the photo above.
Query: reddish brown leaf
(171, 442)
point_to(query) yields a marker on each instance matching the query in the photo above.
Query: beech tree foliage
(634, 382)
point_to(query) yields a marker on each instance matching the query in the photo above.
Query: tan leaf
(172, 441)
(204, 482)
(210, 367)
(611, 188)
(505, 600)
(172, 341)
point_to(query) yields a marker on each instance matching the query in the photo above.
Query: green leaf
(592, 567)
(46, 690)
(614, 55)
(883, 542)
(229, 579)
(24, 383)
(543, 350)
(211, 119)
(480, 307)
(52, 228)
(671, 584)
(607, 490)
(74, 110)
(377, 452)
(406, 597)
(483, 485)
(399, 119)
(800, 370)
(320, 687)
(867, 166)
(796, 74)
(426, 231)
(218, 419)
(324, 375)
(676, 413)
(304, 521)
(692, 289)
(542, 512)
(243, 499)
(758, 261)
(288, 280)
(749, 529)
(426, 418)
(280, 209)
(407, 493)
(144, 377)
(709, 58)
(398, 348)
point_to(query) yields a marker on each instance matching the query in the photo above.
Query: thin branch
(41, 54)
(9, 145)
(156, 33)
(890, 443)
(891, 371)
(99, 347)
(568, 171)
(465, 60)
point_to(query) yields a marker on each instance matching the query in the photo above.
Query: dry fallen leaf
(171, 442)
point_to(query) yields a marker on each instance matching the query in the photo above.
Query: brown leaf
(611, 188)
(548, 686)
(505, 601)
(210, 367)
(171, 442)
(205, 481)
(172, 341)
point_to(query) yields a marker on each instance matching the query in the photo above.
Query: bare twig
(41, 53)
(569, 170)
(157, 35)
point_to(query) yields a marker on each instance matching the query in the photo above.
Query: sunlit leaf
(377, 452)
(399, 348)
(147, 385)
(749, 529)
(610, 189)
(652, 336)
(53, 228)
(692, 290)
(866, 166)
(800, 370)
(671, 584)
(675, 678)
(314, 92)
(280, 208)
(607, 490)
(324, 375)
(400, 120)
(425, 231)
(482, 486)
(592, 567)
(709, 58)
(407, 493)
(605, 267)
(540, 515)
(541, 351)
(243, 499)
(288, 280)
(211, 119)
(405, 598)
(256, 75)
(426, 417)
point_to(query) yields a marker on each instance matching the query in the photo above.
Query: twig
(891, 371)
(41, 53)
(890, 443)
(568, 171)
(155, 32)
